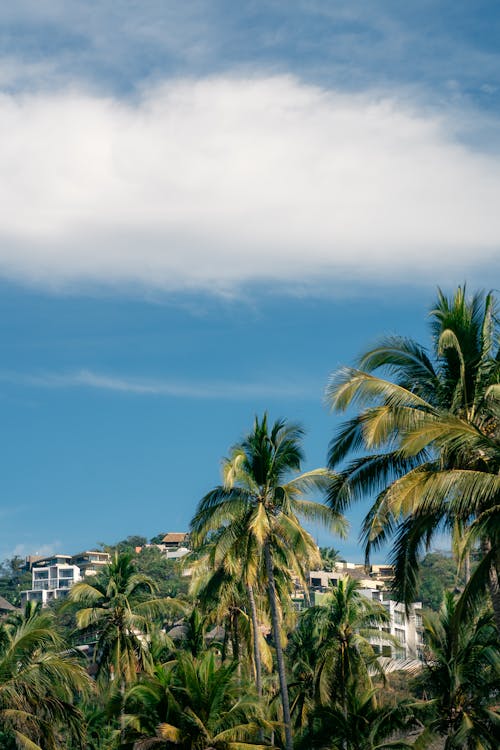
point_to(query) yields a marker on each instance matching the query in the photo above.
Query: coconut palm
(220, 589)
(423, 392)
(329, 558)
(39, 679)
(345, 627)
(117, 610)
(361, 724)
(193, 704)
(462, 677)
(472, 492)
(259, 506)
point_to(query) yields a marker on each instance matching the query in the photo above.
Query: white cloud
(225, 390)
(210, 184)
(29, 548)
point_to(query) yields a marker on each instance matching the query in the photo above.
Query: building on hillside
(408, 630)
(31, 560)
(175, 540)
(90, 562)
(52, 577)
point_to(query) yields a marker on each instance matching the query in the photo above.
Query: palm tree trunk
(256, 649)
(467, 567)
(495, 593)
(494, 581)
(271, 588)
(227, 626)
(122, 709)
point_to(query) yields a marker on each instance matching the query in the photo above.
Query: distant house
(175, 540)
(405, 626)
(90, 562)
(6, 607)
(52, 577)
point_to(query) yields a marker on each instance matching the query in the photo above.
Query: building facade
(52, 577)
(407, 630)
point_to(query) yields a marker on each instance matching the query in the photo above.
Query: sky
(206, 209)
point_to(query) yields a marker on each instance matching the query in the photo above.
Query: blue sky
(207, 208)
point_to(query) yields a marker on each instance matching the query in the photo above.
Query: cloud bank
(212, 184)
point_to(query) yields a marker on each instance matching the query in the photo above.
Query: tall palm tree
(462, 677)
(117, 610)
(472, 492)
(39, 679)
(423, 391)
(259, 506)
(222, 590)
(345, 626)
(194, 704)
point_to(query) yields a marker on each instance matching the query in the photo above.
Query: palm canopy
(258, 507)
(118, 608)
(461, 677)
(344, 627)
(193, 704)
(39, 679)
(408, 428)
(260, 498)
(360, 725)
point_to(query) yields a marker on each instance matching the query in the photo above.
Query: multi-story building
(52, 578)
(408, 630)
(90, 562)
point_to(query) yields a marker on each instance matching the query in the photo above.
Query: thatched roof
(6, 606)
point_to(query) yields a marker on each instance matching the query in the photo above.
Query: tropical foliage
(38, 684)
(258, 508)
(216, 657)
(430, 440)
(462, 677)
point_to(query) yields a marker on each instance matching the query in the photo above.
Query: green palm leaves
(194, 704)
(428, 437)
(462, 677)
(38, 683)
(257, 513)
(116, 610)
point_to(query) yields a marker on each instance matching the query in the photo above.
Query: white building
(52, 578)
(408, 630)
(90, 562)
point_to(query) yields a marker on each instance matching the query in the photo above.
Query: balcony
(40, 585)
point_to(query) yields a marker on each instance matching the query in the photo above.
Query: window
(400, 635)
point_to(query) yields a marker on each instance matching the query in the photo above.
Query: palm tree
(472, 492)
(462, 677)
(220, 590)
(116, 610)
(259, 506)
(39, 679)
(345, 626)
(329, 558)
(396, 414)
(361, 724)
(194, 704)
